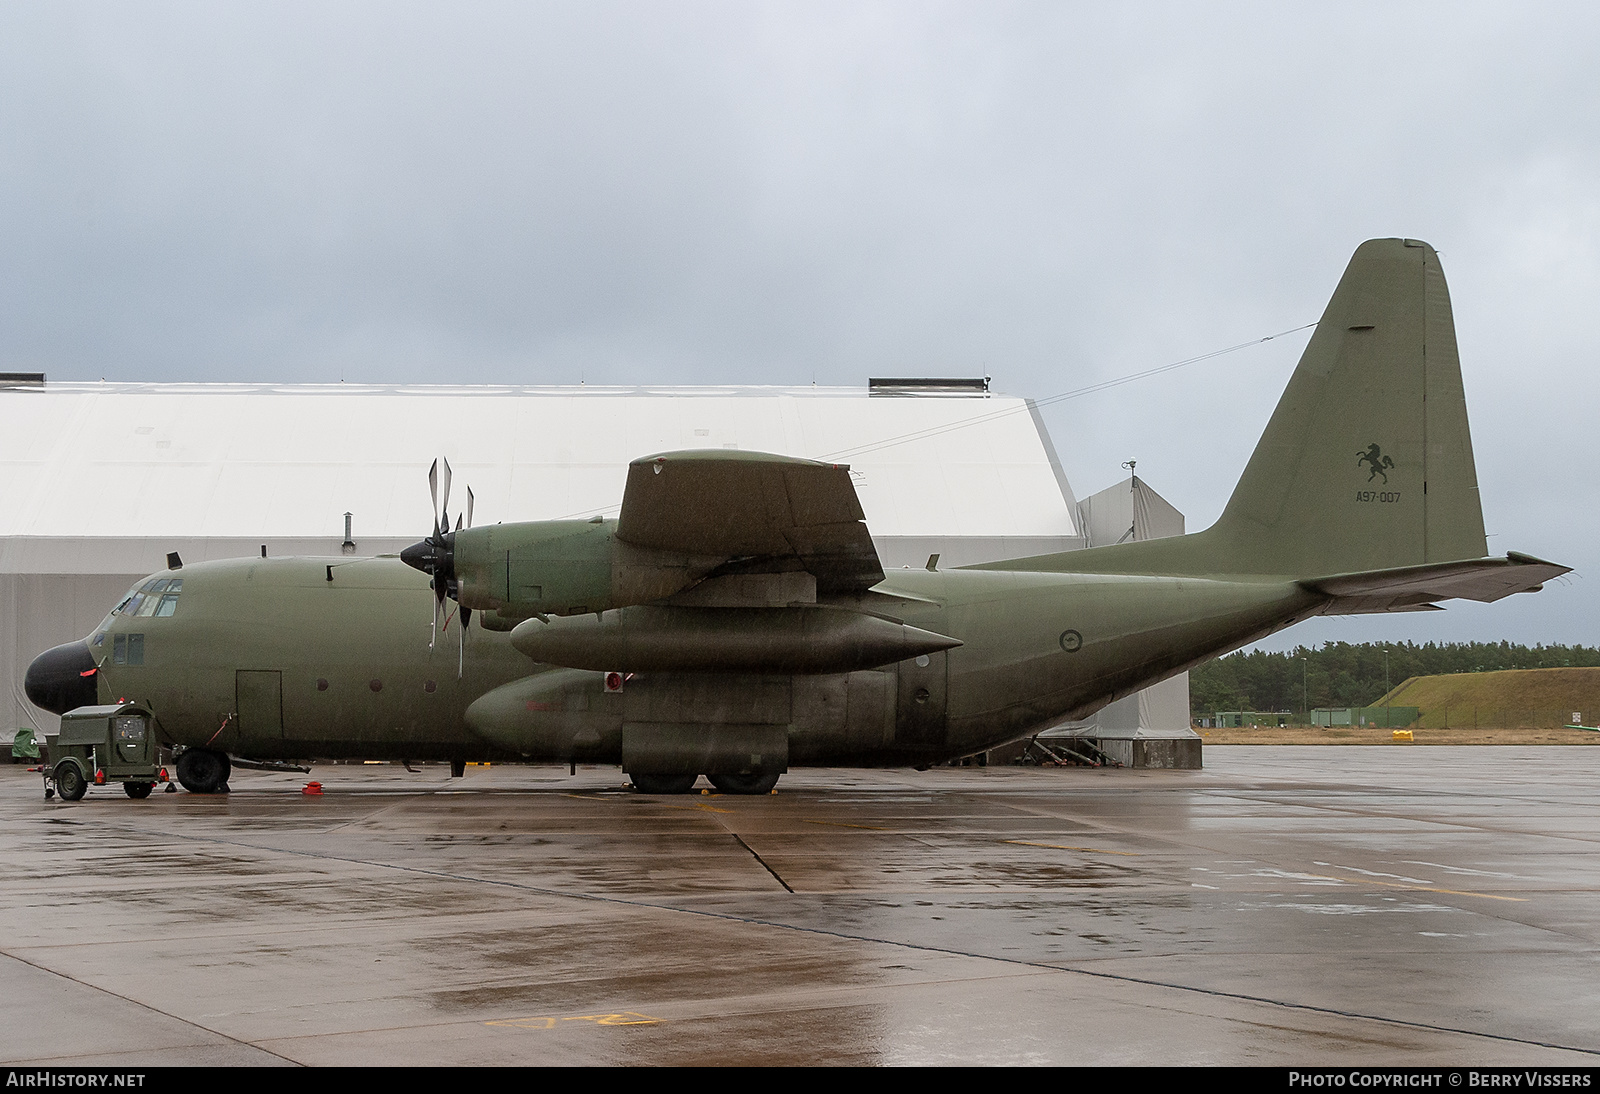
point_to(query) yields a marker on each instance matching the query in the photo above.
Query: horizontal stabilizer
(773, 513)
(1414, 588)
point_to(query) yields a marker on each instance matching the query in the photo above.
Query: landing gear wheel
(70, 783)
(663, 784)
(137, 790)
(202, 771)
(744, 784)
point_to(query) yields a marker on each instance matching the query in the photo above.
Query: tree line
(1344, 674)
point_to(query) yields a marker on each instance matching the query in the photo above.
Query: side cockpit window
(127, 649)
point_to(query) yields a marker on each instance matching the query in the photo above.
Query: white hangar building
(102, 480)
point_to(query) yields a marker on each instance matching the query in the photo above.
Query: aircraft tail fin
(1366, 464)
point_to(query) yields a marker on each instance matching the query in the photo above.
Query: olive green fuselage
(268, 658)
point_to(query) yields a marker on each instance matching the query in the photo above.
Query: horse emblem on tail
(1375, 458)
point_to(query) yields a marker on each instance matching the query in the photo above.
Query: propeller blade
(433, 492)
(469, 507)
(444, 505)
(458, 522)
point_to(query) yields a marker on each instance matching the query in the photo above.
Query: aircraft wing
(764, 513)
(1414, 588)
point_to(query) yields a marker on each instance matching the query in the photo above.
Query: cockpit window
(158, 597)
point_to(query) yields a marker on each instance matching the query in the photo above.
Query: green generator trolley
(104, 744)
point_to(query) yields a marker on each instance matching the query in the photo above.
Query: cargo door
(258, 696)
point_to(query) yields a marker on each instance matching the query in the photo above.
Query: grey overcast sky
(682, 193)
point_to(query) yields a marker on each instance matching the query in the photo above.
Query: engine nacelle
(562, 567)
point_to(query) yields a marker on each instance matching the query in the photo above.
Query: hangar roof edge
(721, 391)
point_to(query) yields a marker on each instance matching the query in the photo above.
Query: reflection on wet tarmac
(1284, 905)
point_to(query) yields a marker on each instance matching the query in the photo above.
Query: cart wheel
(137, 790)
(70, 783)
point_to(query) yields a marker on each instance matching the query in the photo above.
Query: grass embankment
(1508, 707)
(1507, 699)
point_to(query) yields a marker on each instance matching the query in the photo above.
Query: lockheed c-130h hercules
(741, 601)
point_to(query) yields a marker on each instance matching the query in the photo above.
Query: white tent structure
(98, 481)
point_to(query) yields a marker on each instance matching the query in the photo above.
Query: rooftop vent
(927, 385)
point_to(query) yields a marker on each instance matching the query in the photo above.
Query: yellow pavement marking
(625, 1018)
(1428, 889)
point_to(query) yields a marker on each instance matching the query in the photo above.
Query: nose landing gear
(202, 771)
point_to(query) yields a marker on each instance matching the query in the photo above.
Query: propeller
(435, 556)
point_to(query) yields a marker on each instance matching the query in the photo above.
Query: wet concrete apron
(1285, 905)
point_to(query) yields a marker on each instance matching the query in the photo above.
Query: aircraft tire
(663, 784)
(202, 771)
(744, 784)
(137, 791)
(70, 783)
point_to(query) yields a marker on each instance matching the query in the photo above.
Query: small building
(1238, 719)
(1383, 717)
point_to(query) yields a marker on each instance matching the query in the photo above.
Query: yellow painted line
(1413, 888)
(1430, 889)
(625, 1018)
(1065, 847)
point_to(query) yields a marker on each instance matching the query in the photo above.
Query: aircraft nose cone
(62, 679)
